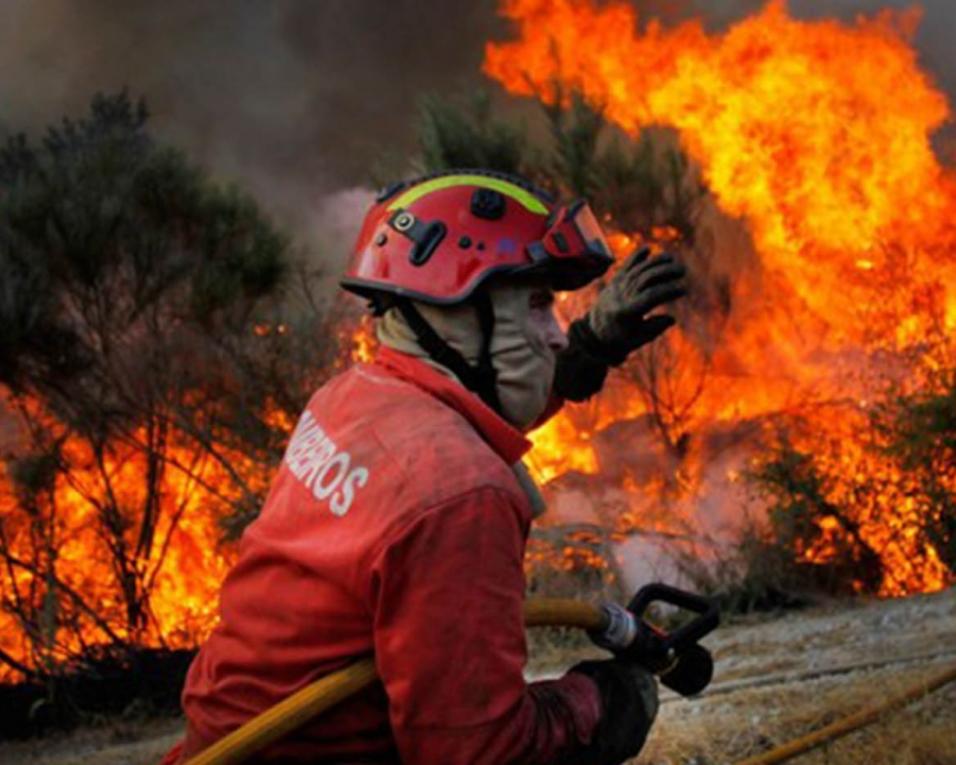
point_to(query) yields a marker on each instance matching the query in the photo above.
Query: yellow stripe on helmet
(525, 198)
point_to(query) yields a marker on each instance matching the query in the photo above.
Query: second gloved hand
(629, 706)
(619, 317)
(617, 323)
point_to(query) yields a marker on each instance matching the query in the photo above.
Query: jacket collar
(509, 442)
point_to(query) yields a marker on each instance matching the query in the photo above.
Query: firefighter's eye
(543, 298)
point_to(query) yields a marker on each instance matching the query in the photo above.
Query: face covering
(520, 347)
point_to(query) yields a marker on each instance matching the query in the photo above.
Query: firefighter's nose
(556, 338)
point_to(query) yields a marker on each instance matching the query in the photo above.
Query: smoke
(294, 99)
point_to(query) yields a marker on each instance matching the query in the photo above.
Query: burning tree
(151, 371)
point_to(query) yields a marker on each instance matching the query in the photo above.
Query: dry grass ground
(114, 743)
(729, 728)
(777, 679)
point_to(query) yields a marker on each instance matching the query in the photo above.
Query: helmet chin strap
(481, 378)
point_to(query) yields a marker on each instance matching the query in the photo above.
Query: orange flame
(816, 135)
(363, 342)
(184, 564)
(789, 121)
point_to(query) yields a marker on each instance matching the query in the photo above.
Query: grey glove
(618, 317)
(629, 706)
(617, 323)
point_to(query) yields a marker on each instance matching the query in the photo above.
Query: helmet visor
(573, 250)
(576, 234)
(581, 217)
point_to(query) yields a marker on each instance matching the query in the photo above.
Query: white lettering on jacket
(322, 467)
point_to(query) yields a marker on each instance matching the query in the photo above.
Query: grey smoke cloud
(296, 99)
(291, 98)
(308, 88)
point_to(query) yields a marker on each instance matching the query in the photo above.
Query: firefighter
(397, 522)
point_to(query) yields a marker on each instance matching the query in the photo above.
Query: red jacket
(395, 526)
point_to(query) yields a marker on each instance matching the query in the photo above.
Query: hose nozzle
(681, 663)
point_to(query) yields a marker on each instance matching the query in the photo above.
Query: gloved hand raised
(617, 323)
(629, 706)
(619, 318)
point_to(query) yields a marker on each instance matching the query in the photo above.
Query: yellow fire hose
(328, 691)
(851, 722)
(324, 693)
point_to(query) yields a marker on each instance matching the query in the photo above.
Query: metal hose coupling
(621, 629)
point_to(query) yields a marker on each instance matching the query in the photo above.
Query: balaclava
(522, 359)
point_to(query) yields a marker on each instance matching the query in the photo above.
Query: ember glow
(816, 136)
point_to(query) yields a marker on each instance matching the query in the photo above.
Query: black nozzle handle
(691, 672)
(683, 637)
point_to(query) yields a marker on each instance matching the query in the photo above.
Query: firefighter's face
(526, 341)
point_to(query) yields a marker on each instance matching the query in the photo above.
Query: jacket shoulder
(435, 452)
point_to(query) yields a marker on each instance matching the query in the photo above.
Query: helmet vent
(488, 204)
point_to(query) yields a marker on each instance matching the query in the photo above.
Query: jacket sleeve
(582, 367)
(580, 370)
(447, 595)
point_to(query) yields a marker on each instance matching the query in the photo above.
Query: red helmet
(437, 238)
